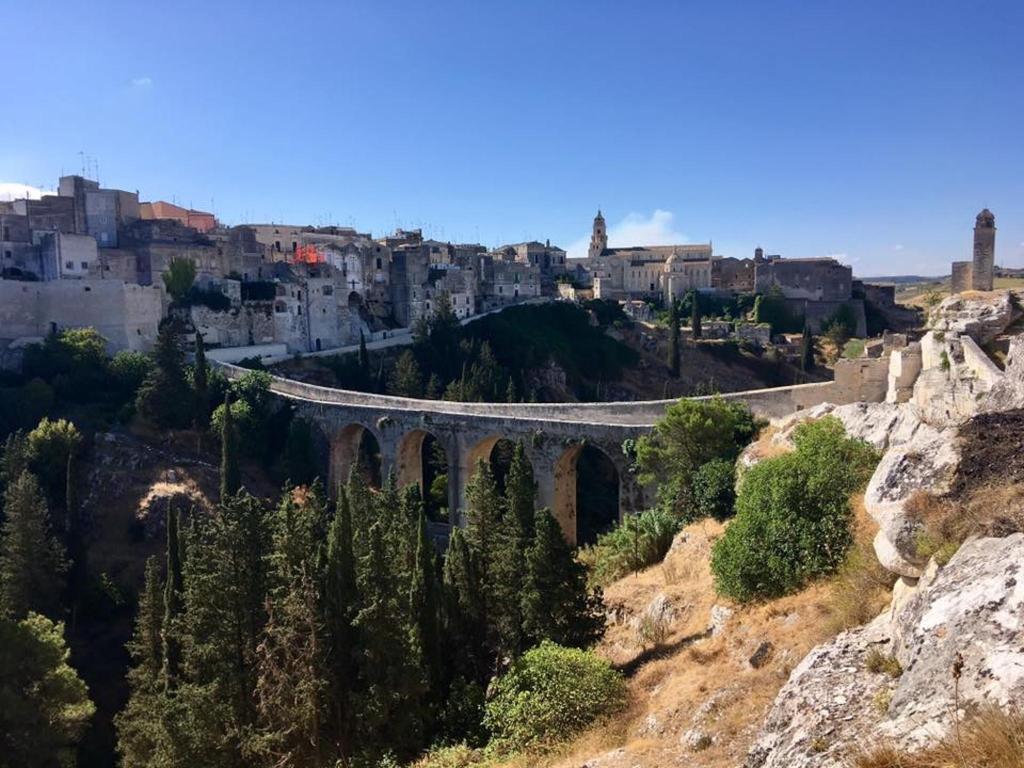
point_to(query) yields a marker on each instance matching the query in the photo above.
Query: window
(300, 310)
(298, 295)
(280, 307)
(8, 255)
(277, 246)
(378, 262)
(69, 265)
(295, 246)
(85, 265)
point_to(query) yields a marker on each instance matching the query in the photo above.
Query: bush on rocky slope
(793, 514)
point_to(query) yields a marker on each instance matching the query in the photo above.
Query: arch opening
(423, 461)
(586, 499)
(357, 447)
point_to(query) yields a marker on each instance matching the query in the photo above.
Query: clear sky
(871, 130)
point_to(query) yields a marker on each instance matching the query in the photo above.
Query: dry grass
(862, 587)
(993, 738)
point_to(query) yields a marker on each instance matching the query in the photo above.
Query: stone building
(978, 274)
(201, 221)
(645, 272)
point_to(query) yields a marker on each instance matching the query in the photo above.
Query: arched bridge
(554, 436)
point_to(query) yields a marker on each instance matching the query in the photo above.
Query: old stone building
(639, 272)
(979, 273)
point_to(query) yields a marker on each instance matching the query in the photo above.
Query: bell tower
(598, 236)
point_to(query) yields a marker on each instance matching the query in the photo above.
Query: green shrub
(793, 515)
(713, 490)
(637, 542)
(550, 694)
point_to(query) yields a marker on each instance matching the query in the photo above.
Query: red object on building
(160, 209)
(307, 254)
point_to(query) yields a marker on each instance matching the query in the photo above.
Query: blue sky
(872, 130)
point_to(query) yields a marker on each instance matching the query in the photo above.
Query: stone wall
(961, 277)
(126, 315)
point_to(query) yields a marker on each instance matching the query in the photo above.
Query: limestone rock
(980, 316)
(973, 606)
(832, 705)
(720, 615)
(926, 462)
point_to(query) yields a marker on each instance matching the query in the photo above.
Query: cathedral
(646, 271)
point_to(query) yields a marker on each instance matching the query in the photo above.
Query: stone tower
(983, 265)
(598, 237)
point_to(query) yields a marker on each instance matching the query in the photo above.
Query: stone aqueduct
(553, 435)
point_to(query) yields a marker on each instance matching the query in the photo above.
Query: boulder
(926, 462)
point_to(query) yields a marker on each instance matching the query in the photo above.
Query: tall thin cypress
(341, 604)
(230, 480)
(200, 383)
(172, 603)
(673, 339)
(424, 609)
(806, 350)
(695, 315)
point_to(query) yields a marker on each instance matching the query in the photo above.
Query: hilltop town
(96, 257)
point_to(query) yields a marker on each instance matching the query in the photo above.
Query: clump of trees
(313, 631)
(793, 516)
(486, 360)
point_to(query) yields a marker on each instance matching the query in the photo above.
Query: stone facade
(979, 273)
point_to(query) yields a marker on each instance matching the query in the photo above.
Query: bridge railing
(768, 403)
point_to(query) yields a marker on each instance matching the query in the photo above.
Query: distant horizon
(871, 132)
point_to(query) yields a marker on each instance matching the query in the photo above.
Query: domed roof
(986, 218)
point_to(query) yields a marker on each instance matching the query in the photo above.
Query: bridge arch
(417, 462)
(584, 516)
(355, 445)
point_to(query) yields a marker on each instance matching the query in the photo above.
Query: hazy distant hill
(902, 279)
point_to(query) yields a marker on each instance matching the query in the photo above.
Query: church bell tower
(598, 237)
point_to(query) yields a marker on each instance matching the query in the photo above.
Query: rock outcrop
(834, 704)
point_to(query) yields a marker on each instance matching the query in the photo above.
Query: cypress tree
(464, 610)
(511, 394)
(483, 523)
(424, 609)
(341, 602)
(695, 314)
(201, 384)
(390, 671)
(75, 539)
(172, 603)
(230, 478)
(673, 339)
(164, 398)
(32, 564)
(806, 350)
(557, 604)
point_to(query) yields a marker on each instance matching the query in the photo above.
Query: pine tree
(695, 314)
(341, 603)
(557, 605)
(164, 398)
(673, 339)
(406, 379)
(32, 564)
(424, 610)
(230, 478)
(806, 350)
(172, 603)
(433, 390)
(201, 384)
(511, 394)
